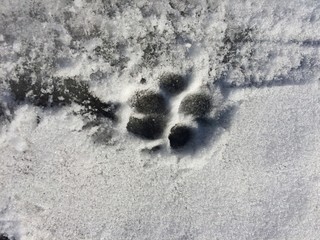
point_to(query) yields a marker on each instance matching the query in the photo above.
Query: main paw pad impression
(153, 111)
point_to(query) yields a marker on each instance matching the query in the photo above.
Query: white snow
(256, 177)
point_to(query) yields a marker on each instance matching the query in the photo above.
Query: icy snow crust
(251, 170)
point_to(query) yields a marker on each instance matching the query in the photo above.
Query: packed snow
(164, 120)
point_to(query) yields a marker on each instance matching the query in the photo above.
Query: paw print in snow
(153, 111)
(173, 84)
(197, 105)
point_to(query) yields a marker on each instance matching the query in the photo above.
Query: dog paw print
(153, 115)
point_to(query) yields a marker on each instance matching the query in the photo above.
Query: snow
(252, 173)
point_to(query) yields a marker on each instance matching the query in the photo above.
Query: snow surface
(253, 175)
